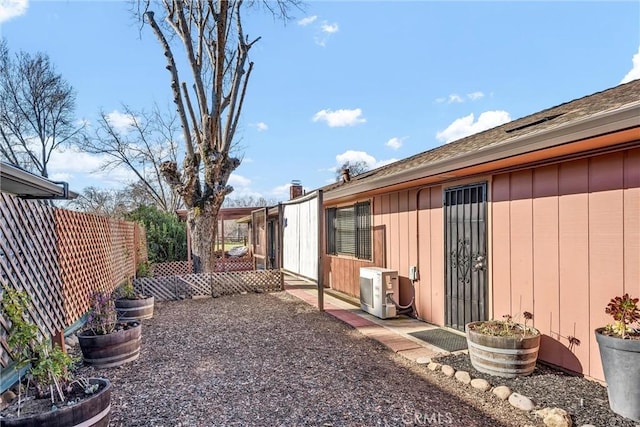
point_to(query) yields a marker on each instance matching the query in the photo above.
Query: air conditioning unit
(375, 284)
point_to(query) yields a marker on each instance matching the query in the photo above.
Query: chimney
(295, 190)
(345, 175)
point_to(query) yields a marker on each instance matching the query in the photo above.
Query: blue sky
(374, 81)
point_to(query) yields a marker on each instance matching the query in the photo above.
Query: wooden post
(58, 338)
(320, 257)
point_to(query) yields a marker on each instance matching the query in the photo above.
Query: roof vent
(537, 122)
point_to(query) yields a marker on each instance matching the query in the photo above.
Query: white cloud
(12, 8)
(329, 28)
(326, 31)
(395, 142)
(120, 121)
(281, 192)
(261, 126)
(308, 20)
(465, 126)
(457, 99)
(236, 180)
(81, 170)
(635, 70)
(340, 118)
(475, 95)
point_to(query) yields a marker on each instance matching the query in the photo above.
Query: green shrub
(166, 235)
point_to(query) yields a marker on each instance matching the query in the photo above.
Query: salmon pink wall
(565, 239)
(408, 231)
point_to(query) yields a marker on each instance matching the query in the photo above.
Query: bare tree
(36, 110)
(248, 202)
(210, 38)
(140, 141)
(112, 203)
(354, 169)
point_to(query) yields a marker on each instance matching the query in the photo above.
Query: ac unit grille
(366, 291)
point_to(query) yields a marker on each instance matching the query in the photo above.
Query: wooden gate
(301, 227)
(465, 255)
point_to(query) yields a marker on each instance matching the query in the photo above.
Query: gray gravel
(585, 400)
(272, 360)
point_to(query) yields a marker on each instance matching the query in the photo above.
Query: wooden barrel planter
(502, 356)
(92, 411)
(134, 309)
(114, 349)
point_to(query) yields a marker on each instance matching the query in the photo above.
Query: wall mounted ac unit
(375, 284)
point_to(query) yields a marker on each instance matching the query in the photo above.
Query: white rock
(425, 360)
(463, 377)
(433, 366)
(503, 392)
(521, 402)
(480, 384)
(71, 340)
(448, 371)
(555, 417)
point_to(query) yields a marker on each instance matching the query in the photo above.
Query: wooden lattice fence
(173, 268)
(180, 268)
(58, 257)
(166, 288)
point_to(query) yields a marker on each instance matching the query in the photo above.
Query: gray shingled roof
(599, 102)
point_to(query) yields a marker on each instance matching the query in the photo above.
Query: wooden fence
(166, 288)
(58, 257)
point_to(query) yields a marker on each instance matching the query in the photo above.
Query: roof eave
(26, 185)
(619, 119)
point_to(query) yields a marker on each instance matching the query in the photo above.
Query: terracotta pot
(502, 356)
(114, 349)
(93, 411)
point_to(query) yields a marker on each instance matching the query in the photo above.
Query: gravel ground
(585, 400)
(272, 360)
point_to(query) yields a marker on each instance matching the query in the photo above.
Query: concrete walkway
(393, 333)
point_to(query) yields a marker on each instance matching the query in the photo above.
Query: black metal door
(466, 255)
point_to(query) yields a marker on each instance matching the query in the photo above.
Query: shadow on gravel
(272, 360)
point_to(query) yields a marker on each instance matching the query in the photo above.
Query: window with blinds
(349, 230)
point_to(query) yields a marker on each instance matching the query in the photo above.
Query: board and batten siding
(400, 220)
(565, 240)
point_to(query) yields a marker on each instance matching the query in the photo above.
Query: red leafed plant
(625, 312)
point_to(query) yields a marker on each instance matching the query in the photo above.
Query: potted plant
(131, 305)
(503, 348)
(52, 395)
(104, 341)
(619, 344)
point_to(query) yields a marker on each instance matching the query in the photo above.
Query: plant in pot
(131, 305)
(619, 344)
(503, 348)
(52, 396)
(104, 341)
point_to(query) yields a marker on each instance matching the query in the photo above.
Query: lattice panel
(234, 264)
(28, 261)
(58, 257)
(174, 268)
(96, 252)
(167, 288)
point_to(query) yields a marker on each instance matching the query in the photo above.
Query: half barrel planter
(506, 357)
(134, 309)
(93, 411)
(110, 350)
